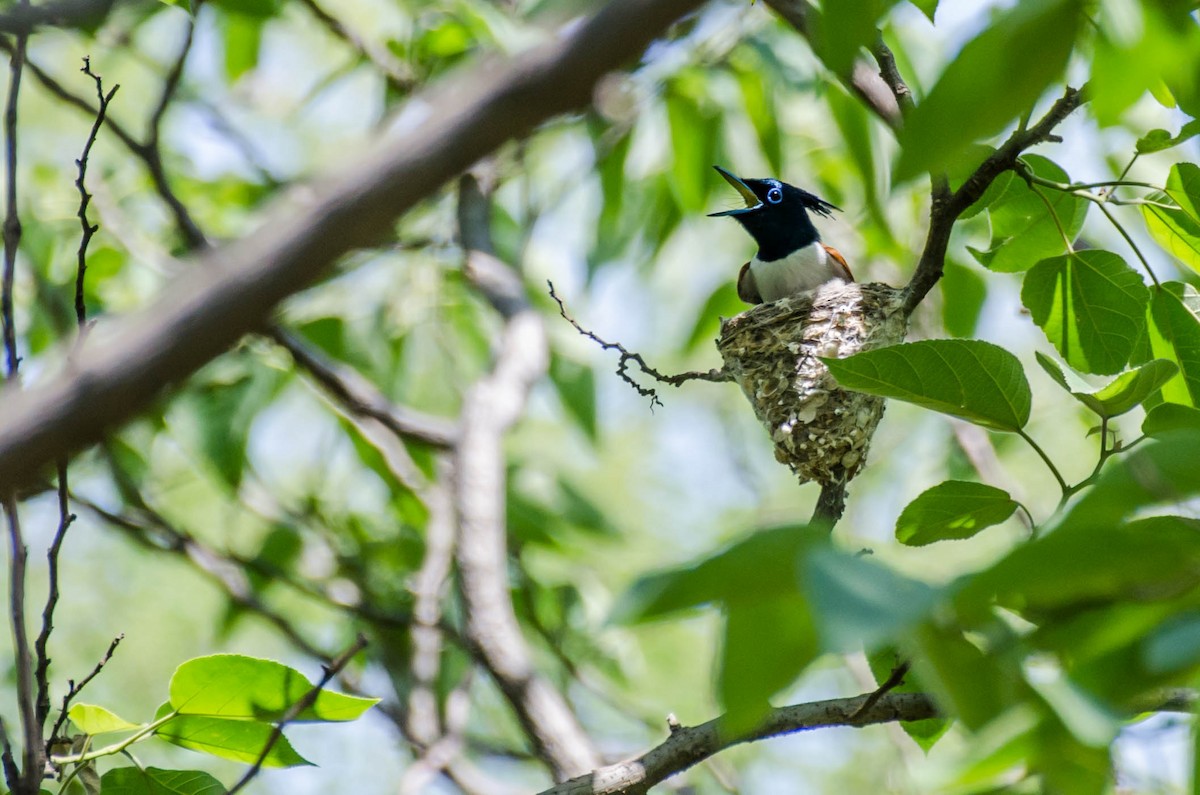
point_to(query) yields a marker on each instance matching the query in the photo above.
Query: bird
(791, 258)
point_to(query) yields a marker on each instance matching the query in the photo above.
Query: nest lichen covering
(820, 430)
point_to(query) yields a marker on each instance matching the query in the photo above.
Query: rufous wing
(747, 290)
(838, 260)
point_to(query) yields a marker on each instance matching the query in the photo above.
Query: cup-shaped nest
(773, 351)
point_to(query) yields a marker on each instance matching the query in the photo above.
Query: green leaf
(1161, 472)
(1145, 560)
(1122, 394)
(952, 510)
(974, 380)
(722, 302)
(1091, 305)
(953, 668)
(927, 7)
(1178, 230)
(694, 133)
(860, 603)
(186, 5)
(926, 732)
(1166, 418)
(1173, 646)
(763, 566)
(576, 387)
(842, 29)
(234, 686)
(92, 719)
(1158, 140)
(767, 645)
(759, 100)
(153, 781)
(1173, 332)
(242, 35)
(1023, 226)
(239, 740)
(963, 294)
(996, 77)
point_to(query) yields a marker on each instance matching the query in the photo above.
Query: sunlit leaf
(234, 686)
(1173, 333)
(954, 509)
(1123, 393)
(239, 740)
(1178, 229)
(1091, 305)
(92, 719)
(974, 380)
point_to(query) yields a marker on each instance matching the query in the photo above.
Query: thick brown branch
(205, 311)
(687, 746)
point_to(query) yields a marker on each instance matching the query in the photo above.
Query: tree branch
(24, 18)
(627, 356)
(208, 309)
(490, 408)
(687, 746)
(947, 207)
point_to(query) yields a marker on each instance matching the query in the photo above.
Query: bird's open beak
(752, 201)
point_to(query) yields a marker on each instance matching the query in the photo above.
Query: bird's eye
(774, 195)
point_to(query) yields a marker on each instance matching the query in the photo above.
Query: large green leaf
(153, 781)
(763, 566)
(239, 740)
(1024, 229)
(1166, 418)
(767, 645)
(1161, 472)
(234, 686)
(841, 30)
(954, 509)
(1178, 230)
(953, 668)
(858, 602)
(1091, 305)
(995, 78)
(1173, 333)
(1091, 561)
(1123, 393)
(971, 379)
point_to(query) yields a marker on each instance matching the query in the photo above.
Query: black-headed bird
(791, 257)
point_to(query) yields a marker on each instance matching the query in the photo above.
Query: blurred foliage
(1043, 644)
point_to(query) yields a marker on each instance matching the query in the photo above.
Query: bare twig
(12, 774)
(891, 75)
(41, 645)
(31, 770)
(490, 408)
(74, 689)
(12, 218)
(85, 198)
(687, 746)
(397, 74)
(627, 356)
(329, 672)
(362, 398)
(208, 309)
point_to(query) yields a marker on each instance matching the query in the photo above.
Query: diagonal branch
(208, 309)
(690, 745)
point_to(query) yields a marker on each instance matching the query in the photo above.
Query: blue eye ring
(774, 196)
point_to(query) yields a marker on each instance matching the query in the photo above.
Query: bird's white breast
(803, 269)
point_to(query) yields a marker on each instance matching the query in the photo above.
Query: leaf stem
(117, 747)
(1128, 239)
(1062, 484)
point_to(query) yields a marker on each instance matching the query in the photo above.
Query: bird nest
(773, 351)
